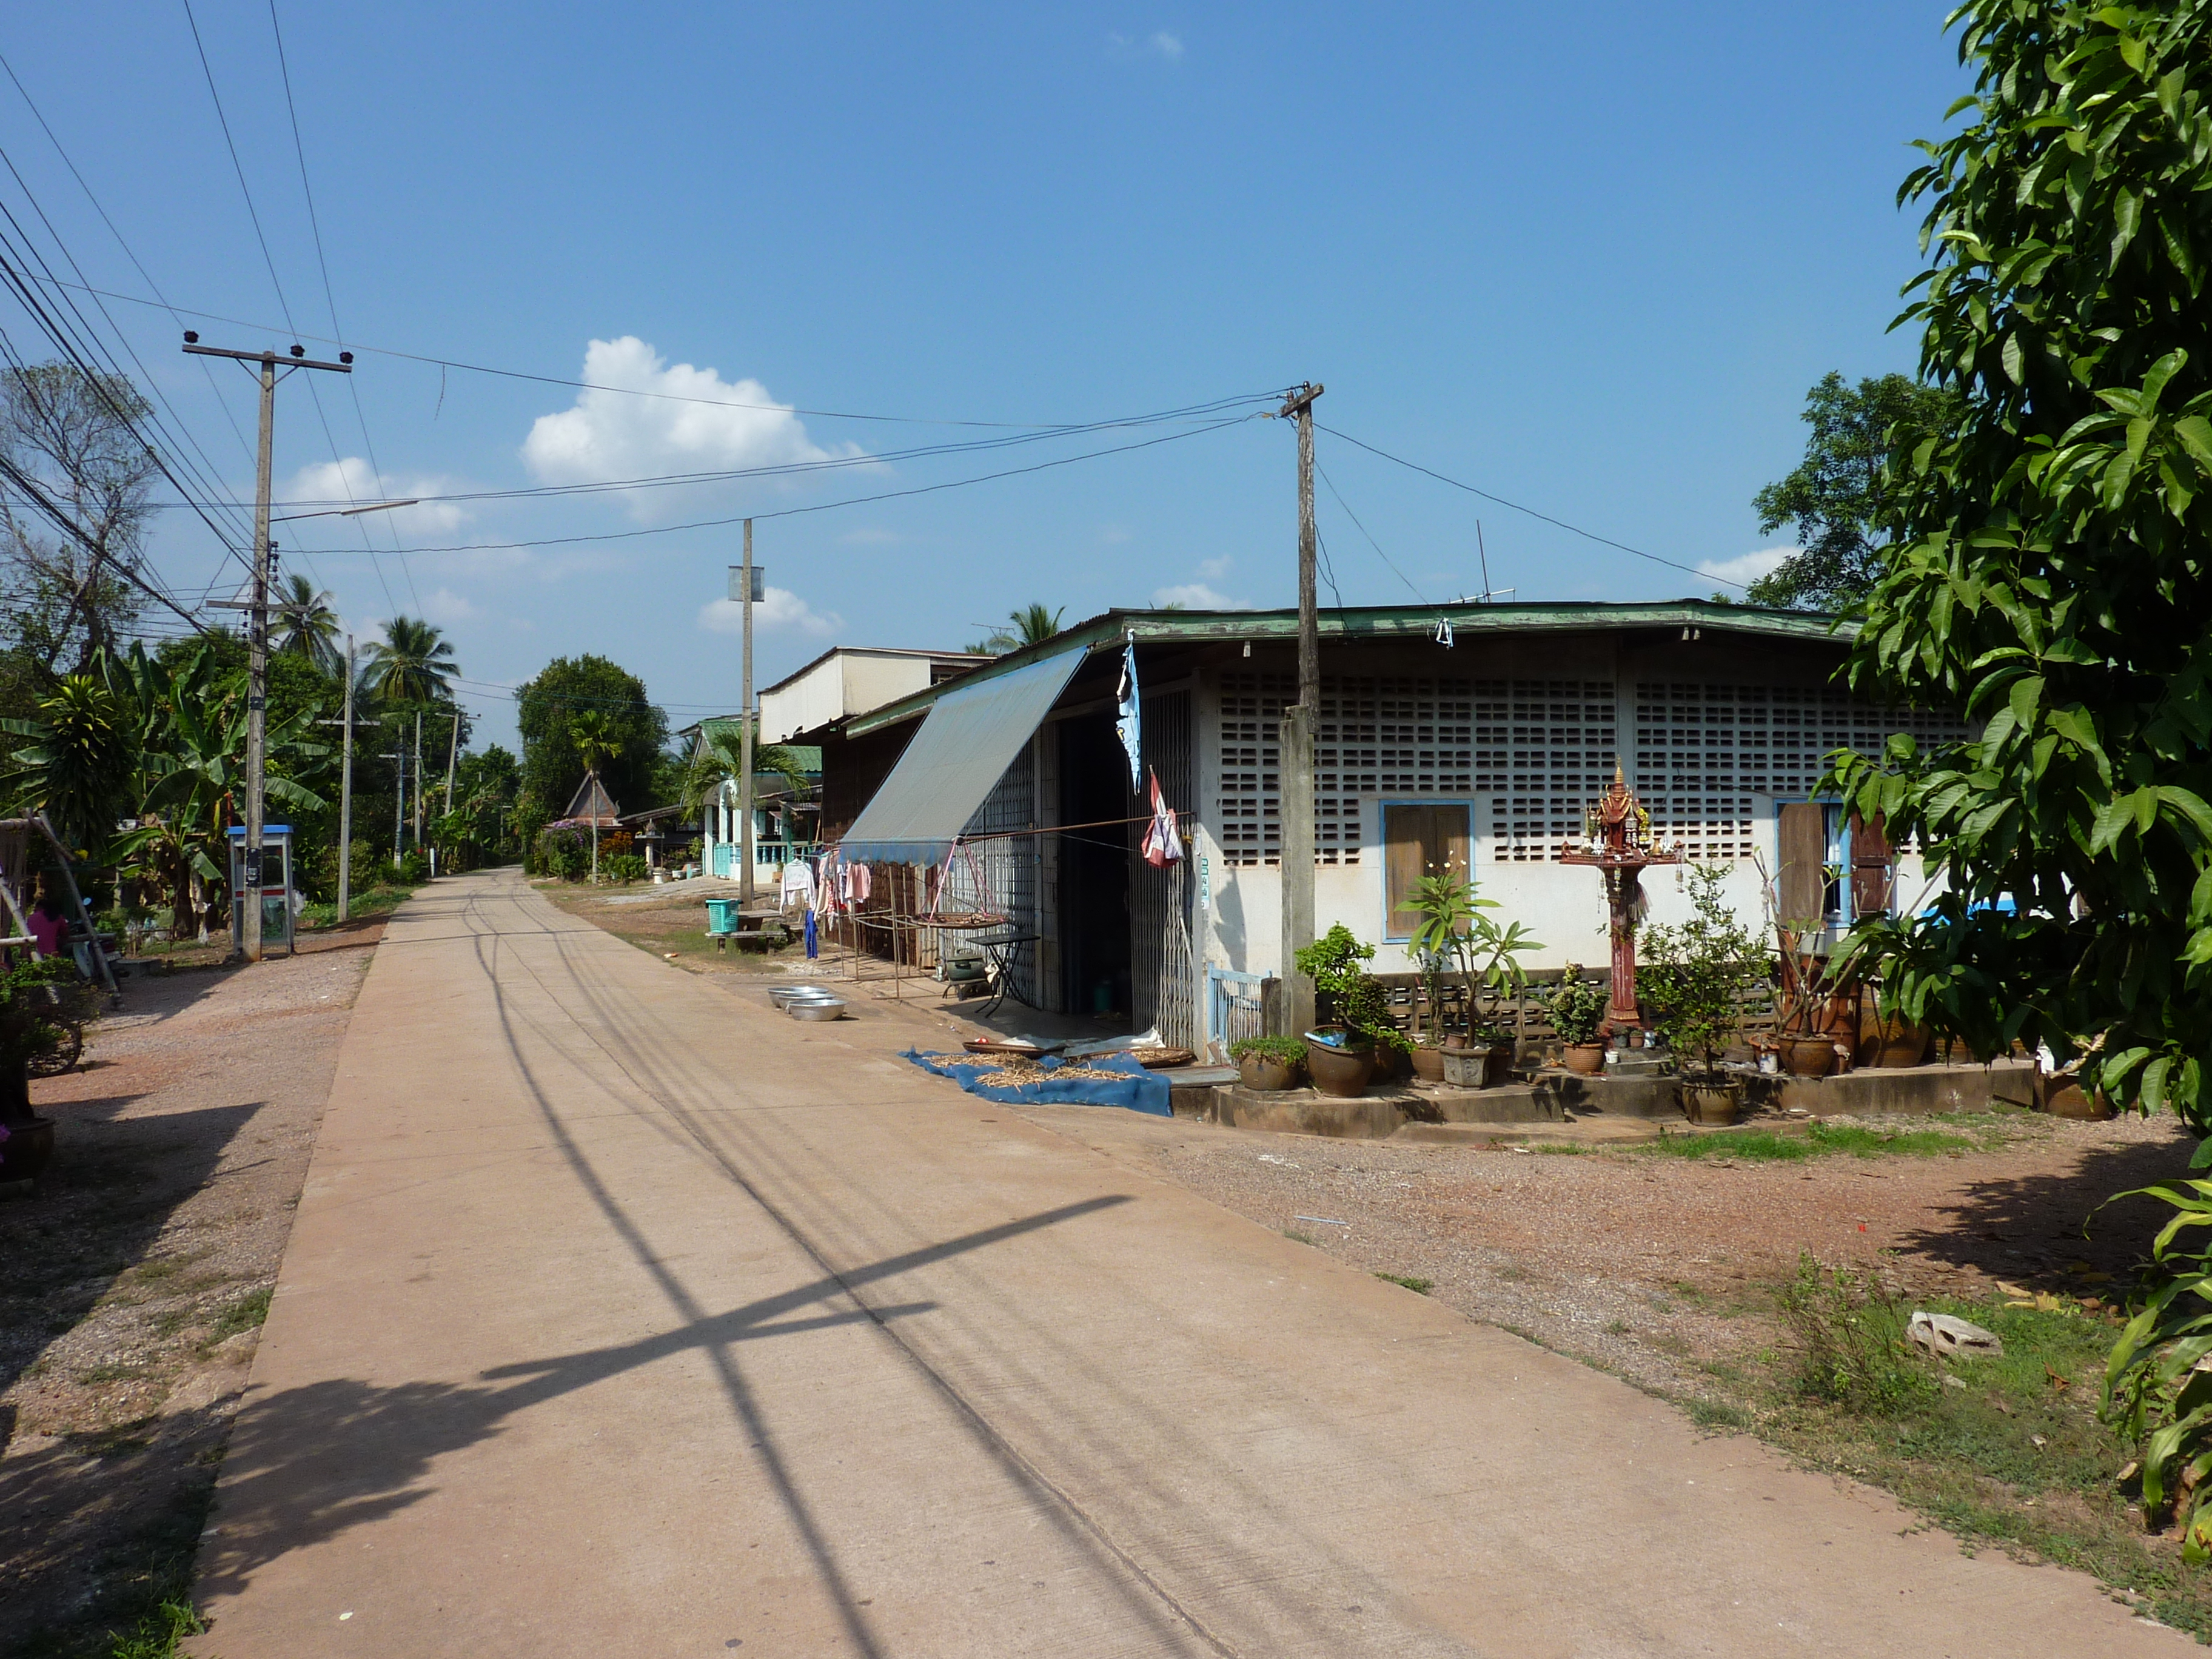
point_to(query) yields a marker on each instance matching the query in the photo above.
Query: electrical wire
(1364, 530)
(1587, 535)
(636, 391)
(825, 507)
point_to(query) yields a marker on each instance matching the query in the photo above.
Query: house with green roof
(1472, 736)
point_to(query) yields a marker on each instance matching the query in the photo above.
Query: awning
(970, 736)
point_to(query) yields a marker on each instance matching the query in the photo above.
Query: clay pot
(1264, 1074)
(1710, 1103)
(1344, 1072)
(2063, 1097)
(1891, 1042)
(1804, 1056)
(1428, 1063)
(1585, 1059)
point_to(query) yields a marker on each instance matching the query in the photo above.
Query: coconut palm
(598, 740)
(1030, 625)
(412, 664)
(308, 626)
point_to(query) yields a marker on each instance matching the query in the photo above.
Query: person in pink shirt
(46, 923)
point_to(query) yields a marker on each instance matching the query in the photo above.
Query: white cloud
(610, 434)
(1746, 568)
(1214, 569)
(352, 481)
(1168, 46)
(781, 608)
(1195, 596)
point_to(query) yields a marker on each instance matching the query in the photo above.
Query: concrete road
(625, 1317)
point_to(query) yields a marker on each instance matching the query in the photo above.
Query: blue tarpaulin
(1138, 1090)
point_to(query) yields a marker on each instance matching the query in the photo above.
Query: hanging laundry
(1163, 841)
(1129, 722)
(814, 938)
(798, 884)
(858, 883)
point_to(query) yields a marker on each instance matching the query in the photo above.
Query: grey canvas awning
(970, 736)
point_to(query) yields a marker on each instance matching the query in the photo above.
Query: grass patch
(245, 1314)
(158, 1631)
(1296, 1236)
(1557, 1148)
(1818, 1140)
(381, 900)
(2005, 1451)
(110, 1373)
(1422, 1285)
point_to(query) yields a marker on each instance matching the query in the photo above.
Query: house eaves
(1375, 622)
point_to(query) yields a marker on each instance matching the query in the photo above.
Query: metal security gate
(1236, 1008)
(1163, 966)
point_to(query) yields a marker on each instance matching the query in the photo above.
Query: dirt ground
(139, 1271)
(1648, 1264)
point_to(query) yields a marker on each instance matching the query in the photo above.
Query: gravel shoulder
(139, 1272)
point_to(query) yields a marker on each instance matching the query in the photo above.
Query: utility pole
(743, 579)
(345, 798)
(257, 627)
(1295, 764)
(398, 757)
(418, 777)
(453, 753)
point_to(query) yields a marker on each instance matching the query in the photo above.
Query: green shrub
(414, 868)
(623, 866)
(1577, 1007)
(1847, 1335)
(1357, 999)
(1289, 1051)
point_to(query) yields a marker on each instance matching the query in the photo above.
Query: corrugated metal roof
(1375, 622)
(972, 733)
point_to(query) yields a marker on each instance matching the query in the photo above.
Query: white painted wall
(849, 681)
(1562, 905)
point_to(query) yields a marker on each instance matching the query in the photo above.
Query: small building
(852, 679)
(1475, 735)
(786, 808)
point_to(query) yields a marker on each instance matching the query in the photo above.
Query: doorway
(1094, 867)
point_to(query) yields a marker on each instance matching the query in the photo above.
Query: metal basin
(784, 995)
(817, 1008)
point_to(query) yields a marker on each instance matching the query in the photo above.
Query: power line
(825, 507)
(792, 469)
(1587, 535)
(636, 391)
(1364, 530)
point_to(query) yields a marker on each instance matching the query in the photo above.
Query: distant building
(1482, 753)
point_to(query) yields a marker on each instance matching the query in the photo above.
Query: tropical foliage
(307, 626)
(1032, 624)
(1355, 997)
(1695, 974)
(547, 707)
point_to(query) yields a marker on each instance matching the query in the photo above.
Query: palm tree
(309, 627)
(722, 755)
(598, 740)
(1030, 625)
(412, 664)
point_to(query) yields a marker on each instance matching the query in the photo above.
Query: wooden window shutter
(1421, 841)
(1803, 884)
(1874, 866)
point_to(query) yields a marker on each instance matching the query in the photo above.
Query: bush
(1356, 997)
(566, 853)
(622, 867)
(1577, 1007)
(1288, 1051)
(414, 868)
(1848, 1336)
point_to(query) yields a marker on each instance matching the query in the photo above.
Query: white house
(1485, 750)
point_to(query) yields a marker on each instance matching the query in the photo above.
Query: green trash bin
(721, 917)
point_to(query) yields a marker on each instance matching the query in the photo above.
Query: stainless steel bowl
(784, 995)
(817, 1008)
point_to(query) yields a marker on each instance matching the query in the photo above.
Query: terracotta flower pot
(1428, 1063)
(1341, 1071)
(1711, 1103)
(1585, 1059)
(1264, 1074)
(1813, 1056)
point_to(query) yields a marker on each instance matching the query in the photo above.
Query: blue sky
(1588, 257)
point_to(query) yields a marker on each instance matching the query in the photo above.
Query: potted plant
(1341, 1058)
(1268, 1065)
(1577, 1007)
(1491, 955)
(1693, 976)
(1445, 905)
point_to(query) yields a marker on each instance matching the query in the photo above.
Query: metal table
(999, 949)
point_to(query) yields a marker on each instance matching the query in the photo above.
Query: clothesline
(1055, 829)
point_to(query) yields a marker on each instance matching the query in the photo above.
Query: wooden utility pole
(1295, 763)
(345, 798)
(257, 626)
